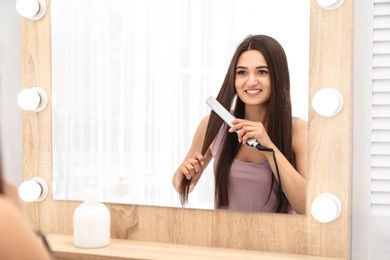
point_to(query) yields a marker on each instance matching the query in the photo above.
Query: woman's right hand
(191, 169)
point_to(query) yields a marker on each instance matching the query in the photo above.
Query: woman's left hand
(250, 129)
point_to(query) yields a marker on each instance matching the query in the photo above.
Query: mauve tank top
(249, 183)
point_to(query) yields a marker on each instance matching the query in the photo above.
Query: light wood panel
(128, 249)
(329, 161)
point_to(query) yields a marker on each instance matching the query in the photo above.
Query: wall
(370, 233)
(10, 85)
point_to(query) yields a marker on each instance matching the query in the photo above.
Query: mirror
(130, 80)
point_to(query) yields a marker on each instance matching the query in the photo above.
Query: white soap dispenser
(91, 221)
(120, 189)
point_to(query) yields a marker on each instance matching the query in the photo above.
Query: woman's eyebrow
(258, 67)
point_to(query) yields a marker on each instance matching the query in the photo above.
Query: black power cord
(281, 193)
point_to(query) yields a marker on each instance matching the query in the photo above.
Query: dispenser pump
(91, 221)
(92, 194)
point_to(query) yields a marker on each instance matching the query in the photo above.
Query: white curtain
(130, 80)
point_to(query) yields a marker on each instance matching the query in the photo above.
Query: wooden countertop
(63, 248)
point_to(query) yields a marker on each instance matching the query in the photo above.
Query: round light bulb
(27, 8)
(327, 102)
(330, 4)
(32, 9)
(32, 99)
(35, 189)
(326, 208)
(29, 99)
(30, 191)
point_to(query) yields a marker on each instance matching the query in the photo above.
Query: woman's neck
(256, 113)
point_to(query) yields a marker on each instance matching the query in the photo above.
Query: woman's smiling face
(252, 80)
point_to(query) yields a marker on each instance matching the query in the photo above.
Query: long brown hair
(279, 126)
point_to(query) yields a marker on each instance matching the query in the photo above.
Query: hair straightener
(224, 114)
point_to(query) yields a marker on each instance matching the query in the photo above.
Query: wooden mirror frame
(329, 160)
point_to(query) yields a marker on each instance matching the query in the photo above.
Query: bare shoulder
(10, 215)
(299, 136)
(204, 121)
(201, 130)
(198, 138)
(299, 145)
(299, 128)
(11, 192)
(7, 206)
(17, 239)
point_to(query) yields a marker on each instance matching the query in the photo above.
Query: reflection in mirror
(130, 80)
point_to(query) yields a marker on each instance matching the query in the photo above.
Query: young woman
(17, 239)
(246, 178)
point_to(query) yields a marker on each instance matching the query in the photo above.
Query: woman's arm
(194, 163)
(294, 180)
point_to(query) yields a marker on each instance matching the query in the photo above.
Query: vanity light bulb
(330, 4)
(32, 99)
(30, 191)
(326, 207)
(33, 190)
(29, 99)
(327, 102)
(32, 9)
(27, 8)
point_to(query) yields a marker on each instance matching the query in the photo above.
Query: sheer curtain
(130, 80)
